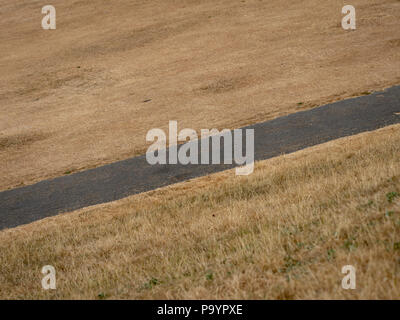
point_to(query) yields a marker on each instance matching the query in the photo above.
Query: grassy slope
(72, 98)
(283, 232)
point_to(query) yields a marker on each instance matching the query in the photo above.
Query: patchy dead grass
(283, 232)
(20, 140)
(208, 63)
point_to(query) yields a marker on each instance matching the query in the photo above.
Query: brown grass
(283, 232)
(205, 63)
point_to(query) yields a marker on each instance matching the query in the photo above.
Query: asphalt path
(132, 176)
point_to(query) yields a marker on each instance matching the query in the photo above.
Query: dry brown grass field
(73, 98)
(283, 232)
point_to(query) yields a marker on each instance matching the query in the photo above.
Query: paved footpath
(123, 178)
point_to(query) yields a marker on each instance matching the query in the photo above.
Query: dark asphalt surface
(123, 178)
